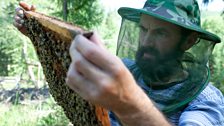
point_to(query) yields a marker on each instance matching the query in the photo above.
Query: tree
(108, 30)
(85, 13)
(9, 43)
(216, 62)
(15, 48)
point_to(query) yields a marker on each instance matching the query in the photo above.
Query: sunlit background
(215, 5)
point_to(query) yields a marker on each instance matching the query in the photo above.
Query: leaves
(85, 13)
(216, 62)
(10, 50)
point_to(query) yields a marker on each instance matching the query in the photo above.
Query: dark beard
(145, 63)
(158, 68)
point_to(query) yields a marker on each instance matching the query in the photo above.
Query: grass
(38, 113)
(17, 115)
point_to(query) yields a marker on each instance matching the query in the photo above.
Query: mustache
(148, 50)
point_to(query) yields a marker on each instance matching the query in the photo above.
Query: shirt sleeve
(206, 110)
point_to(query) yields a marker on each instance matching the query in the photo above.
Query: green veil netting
(194, 61)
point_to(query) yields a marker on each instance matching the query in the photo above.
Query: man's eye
(143, 29)
(161, 33)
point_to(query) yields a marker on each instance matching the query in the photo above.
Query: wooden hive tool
(52, 38)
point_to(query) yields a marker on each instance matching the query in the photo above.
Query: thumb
(95, 38)
(32, 8)
(27, 7)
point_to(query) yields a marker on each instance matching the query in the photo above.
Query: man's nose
(149, 40)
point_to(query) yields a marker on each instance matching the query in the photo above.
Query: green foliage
(12, 43)
(38, 113)
(15, 47)
(17, 115)
(6, 55)
(10, 50)
(109, 30)
(85, 13)
(56, 118)
(215, 25)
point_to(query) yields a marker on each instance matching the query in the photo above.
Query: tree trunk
(65, 10)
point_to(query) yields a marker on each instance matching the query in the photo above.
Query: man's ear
(190, 41)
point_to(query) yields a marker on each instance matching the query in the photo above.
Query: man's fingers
(33, 8)
(96, 39)
(87, 69)
(19, 12)
(72, 50)
(84, 67)
(17, 25)
(93, 53)
(77, 83)
(73, 78)
(19, 20)
(26, 6)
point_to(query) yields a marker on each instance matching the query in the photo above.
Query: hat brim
(133, 14)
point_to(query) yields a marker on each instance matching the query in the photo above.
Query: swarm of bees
(53, 53)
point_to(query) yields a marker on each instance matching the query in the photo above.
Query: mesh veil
(194, 61)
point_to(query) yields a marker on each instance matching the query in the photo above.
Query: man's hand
(97, 75)
(102, 79)
(19, 16)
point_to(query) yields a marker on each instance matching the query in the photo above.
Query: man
(163, 78)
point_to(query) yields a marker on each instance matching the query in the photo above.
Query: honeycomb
(53, 53)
